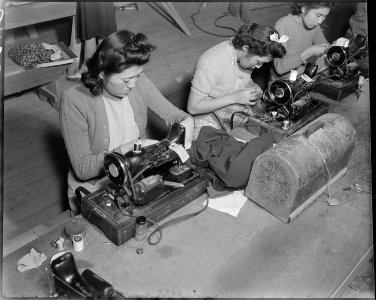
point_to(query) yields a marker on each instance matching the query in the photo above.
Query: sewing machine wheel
(336, 56)
(280, 92)
(115, 168)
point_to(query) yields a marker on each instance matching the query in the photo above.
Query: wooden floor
(35, 160)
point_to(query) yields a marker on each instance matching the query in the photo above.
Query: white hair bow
(275, 38)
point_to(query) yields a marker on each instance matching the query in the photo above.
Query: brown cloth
(230, 159)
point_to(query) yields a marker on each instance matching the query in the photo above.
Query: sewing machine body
(151, 181)
(290, 102)
(342, 77)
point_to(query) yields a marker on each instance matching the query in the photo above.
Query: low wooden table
(217, 255)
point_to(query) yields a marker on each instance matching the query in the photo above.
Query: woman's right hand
(316, 50)
(248, 96)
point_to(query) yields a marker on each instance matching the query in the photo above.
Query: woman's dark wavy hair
(117, 52)
(257, 38)
(296, 7)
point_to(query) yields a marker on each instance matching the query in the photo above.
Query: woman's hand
(315, 50)
(248, 96)
(189, 125)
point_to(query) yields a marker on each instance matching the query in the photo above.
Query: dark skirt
(95, 19)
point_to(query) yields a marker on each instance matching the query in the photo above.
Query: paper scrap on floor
(230, 204)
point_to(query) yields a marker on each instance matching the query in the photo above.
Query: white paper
(180, 151)
(306, 78)
(230, 204)
(342, 42)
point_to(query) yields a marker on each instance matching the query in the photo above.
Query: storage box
(287, 178)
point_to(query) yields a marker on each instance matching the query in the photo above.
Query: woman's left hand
(257, 91)
(189, 125)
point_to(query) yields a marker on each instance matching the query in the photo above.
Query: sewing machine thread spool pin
(137, 146)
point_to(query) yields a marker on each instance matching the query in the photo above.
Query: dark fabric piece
(95, 19)
(229, 159)
(213, 192)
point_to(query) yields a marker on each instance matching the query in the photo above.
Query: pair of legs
(89, 47)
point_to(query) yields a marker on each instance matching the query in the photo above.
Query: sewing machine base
(257, 126)
(337, 89)
(119, 227)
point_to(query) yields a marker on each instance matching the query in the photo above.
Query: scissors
(357, 188)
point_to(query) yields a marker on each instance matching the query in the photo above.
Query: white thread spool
(78, 243)
(274, 114)
(285, 124)
(293, 75)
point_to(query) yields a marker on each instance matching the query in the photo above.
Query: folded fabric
(31, 260)
(229, 159)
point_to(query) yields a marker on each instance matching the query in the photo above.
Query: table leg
(170, 9)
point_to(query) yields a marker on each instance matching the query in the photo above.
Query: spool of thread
(141, 229)
(60, 243)
(137, 146)
(78, 243)
(274, 114)
(293, 75)
(285, 124)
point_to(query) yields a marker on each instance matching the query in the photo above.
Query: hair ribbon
(275, 38)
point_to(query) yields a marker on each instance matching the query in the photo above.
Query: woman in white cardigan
(222, 81)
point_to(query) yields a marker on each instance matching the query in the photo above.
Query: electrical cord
(170, 222)
(215, 23)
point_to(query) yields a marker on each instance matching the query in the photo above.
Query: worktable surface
(217, 255)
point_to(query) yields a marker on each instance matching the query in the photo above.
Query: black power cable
(215, 23)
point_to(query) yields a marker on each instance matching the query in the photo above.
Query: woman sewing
(222, 81)
(306, 40)
(109, 111)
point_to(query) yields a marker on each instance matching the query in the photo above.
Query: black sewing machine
(152, 181)
(342, 76)
(288, 106)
